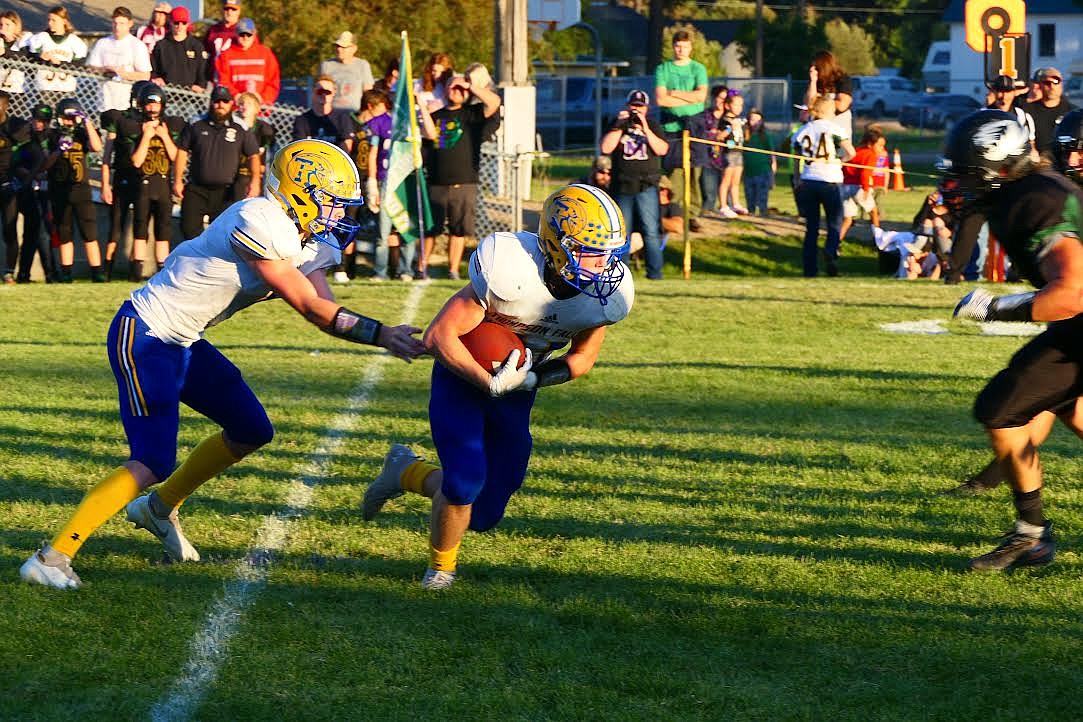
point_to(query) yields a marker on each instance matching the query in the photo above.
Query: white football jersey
(507, 272)
(206, 280)
(818, 141)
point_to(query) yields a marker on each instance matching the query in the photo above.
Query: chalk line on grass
(209, 648)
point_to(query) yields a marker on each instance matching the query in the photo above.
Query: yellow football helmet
(581, 221)
(315, 182)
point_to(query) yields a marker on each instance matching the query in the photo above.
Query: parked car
(879, 95)
(939, 111)
(564, 110)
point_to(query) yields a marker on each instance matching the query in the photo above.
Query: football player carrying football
(279, 245)
(563, 285)
(1035, 214)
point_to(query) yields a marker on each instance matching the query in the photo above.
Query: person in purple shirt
(378, 129)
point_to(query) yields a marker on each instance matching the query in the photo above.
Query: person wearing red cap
(224, 32)
(248, 65)
(180, 58)
(157, 27)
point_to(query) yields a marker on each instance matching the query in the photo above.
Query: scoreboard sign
(993, 17)
(1008, 55)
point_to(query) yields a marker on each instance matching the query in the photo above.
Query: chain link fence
(565, 104)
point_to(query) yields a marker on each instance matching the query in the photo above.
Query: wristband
(1017, 307)
(355, 327)
(552, 372)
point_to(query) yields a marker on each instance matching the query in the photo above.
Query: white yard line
(209, 648)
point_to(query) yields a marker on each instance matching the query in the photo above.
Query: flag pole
(415, 142)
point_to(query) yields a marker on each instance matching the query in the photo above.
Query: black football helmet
(150, 93)
(69, 108)
(1069, 139)
(43, 112)
(979, 154)
(137, 87)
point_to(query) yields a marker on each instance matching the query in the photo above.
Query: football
(490, 344)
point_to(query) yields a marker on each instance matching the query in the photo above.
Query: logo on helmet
(999, 139)
(569, 218)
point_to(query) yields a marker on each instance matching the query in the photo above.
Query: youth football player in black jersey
(1035, 214)
(69, 186)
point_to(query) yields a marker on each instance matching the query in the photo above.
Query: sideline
(209, 648)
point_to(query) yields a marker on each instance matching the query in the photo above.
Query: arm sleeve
(249, 144)
(701, 75)
(481, 264)
(141, 58)
(184, 141)
(94, 59)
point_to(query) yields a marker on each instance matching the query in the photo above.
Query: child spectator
(857, 179)
(759, 170)
(734, 134)
(922, 252)
(712, 128)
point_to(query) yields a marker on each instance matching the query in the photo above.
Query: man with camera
(636, 146)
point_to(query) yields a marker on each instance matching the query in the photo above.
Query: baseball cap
(231, 3)
(122, 12)
(163, 8)
(638, 97)
(603, 162)
(180, 15)
(221, 92)
(345, 40)
(246, 25)
(1002, 83)
(43, 111)
(1044, 73)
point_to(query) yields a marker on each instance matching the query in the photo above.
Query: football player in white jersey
(562, 286)
(278, 245)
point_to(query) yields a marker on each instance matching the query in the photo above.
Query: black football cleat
(1018, 550)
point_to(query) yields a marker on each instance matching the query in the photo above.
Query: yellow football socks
(443, 561)
(414, 475)
(210, 458)
(103, 501)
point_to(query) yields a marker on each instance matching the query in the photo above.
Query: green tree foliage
(852, 47)
(788, 45)
(705, 51)
(302, 35)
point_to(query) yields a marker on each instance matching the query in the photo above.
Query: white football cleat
(388, 485)
(167, 529)
(435, 581)
(50, 568)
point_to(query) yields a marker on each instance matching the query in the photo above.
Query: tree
(302, 35)
(788, 45)
(851, 46)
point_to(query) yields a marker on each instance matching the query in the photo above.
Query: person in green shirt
(680, 90)
(759, 175)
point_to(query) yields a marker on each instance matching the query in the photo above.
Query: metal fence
(565, 104)
(498, 206)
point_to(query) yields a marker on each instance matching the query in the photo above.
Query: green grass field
(736, 515)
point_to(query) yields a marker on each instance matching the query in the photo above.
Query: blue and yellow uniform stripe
(126, 362)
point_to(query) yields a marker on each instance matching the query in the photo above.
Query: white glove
(974, 305)
(509, 378)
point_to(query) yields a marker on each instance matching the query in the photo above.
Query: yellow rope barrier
(780, 154)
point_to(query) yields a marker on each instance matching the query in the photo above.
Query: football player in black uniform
(145, 148)
(69, 186)
(1068, 161)
(1035, 214)
(120, 181)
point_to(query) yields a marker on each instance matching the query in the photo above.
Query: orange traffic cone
(897, 183)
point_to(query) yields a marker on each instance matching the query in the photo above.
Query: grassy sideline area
(736, 515)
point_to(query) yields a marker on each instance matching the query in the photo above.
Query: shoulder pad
(508, 252)
(265, 231)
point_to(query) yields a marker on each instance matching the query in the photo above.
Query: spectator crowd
(152, 160)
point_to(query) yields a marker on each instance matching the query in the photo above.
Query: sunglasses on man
(1051, 81)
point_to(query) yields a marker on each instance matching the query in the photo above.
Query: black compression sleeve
(552, 372)
(355, 327)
